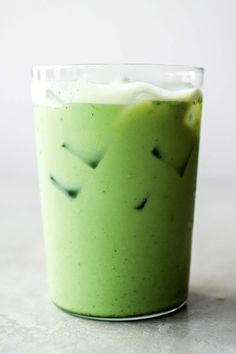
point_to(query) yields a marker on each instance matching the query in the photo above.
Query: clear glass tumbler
(117, 150)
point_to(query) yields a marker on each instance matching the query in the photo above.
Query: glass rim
(170, 67)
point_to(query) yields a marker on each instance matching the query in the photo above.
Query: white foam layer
(58, 94)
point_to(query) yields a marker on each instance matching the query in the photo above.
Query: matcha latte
(117, 171)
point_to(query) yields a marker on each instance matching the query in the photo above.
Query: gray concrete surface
(30, 324)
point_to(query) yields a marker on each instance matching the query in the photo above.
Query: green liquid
(117, 185)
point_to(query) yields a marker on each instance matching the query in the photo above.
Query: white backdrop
(194, 32)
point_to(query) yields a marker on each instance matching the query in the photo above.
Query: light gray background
(195, 32)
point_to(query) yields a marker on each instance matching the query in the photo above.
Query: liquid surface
(121, 91)
(117, 184)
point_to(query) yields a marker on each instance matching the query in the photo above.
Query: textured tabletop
(30, 324)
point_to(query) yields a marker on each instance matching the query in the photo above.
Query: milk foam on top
(60, 93)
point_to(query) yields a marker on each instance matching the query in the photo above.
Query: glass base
(131, 318)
